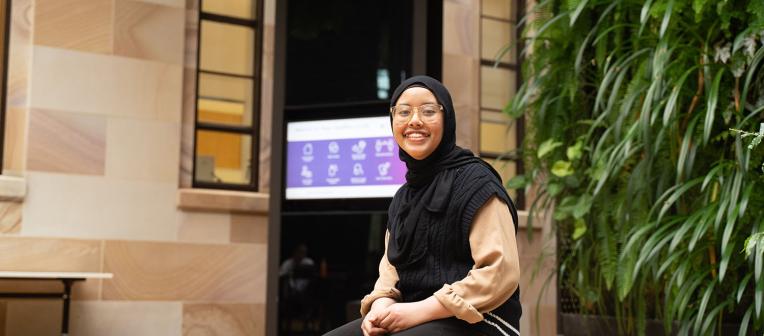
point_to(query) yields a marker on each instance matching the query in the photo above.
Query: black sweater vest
(448, 256)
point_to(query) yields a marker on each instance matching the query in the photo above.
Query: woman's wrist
(382, 302)
(432, 308)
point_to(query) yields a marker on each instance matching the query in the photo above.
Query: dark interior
(337, 52)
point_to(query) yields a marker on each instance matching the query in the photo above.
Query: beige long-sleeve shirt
(492, 280)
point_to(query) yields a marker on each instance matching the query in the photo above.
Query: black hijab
(429, 182)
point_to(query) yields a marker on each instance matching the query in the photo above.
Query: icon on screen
(306, 173)
(358, 172)
(307, 149)
(358, 149)
(333, 168)
(307, 152)
(386, 144)
(334, 148)
(383, 147)
(357, 169)
(383, 168)
(332, 172)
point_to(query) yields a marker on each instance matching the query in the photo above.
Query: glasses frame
(415, 110)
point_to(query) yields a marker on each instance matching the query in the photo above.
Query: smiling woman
(450, 265)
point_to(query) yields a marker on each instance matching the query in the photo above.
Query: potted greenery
(637, 113)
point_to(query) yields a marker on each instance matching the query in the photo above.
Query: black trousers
(443, 327)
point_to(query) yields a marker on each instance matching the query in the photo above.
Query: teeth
(415, 135)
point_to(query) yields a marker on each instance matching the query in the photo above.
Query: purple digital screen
(344, 158)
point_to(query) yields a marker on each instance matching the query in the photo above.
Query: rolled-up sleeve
(496, 273)
(385, 285)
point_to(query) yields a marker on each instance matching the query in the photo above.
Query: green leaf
(738, 42)
(577, 12)
(547, 147)
(560, 214)
(676, 193)
(666, 18)
(684, 150)
(751, 242)
(574, 152)
(582, 207)
(644, 15)
(742, 285)
(713, 98)
(562, 168)
(712, 316)
(698, 5)
(759, 291)
(752, 69)
(565, 208)
(554, 189)
(517, 182)
(758, 296)
(624, 277)
(671, 104)
(580, 229)
(726, 255)
(744, 323)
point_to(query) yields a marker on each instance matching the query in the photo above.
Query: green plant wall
(637, 114)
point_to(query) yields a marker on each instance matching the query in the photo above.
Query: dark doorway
(340, 59)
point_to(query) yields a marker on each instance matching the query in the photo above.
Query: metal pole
(67, 298)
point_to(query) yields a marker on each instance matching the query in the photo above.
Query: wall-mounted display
(342, 158)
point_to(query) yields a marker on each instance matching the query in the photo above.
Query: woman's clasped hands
(387, 316)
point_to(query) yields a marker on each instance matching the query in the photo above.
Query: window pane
(497, 87)
(227, 48)
(499, 9)
(223, 157)
(237, 8)
(225, 100)
(497, 137)
(496, 37)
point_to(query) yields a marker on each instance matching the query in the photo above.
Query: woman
(450, 265)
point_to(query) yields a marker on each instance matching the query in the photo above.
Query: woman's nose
(415, 121)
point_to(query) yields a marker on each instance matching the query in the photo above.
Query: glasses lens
(402, 112)
(429, 111)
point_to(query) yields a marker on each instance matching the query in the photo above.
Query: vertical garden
(645, 119)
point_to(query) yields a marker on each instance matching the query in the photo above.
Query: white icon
(379, 145)
(333, 169)
(359, 147)
(307, 149)
(334, 148)
(306, 173)
(357, 169)
(383, 168)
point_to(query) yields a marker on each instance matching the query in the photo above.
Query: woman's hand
(402, 316)
(370, 324)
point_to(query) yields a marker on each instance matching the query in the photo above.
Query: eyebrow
(425, 103)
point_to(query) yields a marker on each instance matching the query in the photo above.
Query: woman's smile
(416, 135)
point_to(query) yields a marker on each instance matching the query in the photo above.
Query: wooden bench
(66, 278)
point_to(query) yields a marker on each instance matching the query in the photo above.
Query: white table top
(55, 275)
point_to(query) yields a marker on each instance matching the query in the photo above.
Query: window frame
(519, 124)
(256, 24)
(4, 77)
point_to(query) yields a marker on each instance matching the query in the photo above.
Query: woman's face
(419, 138)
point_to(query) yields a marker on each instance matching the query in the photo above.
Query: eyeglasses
(427, 112)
